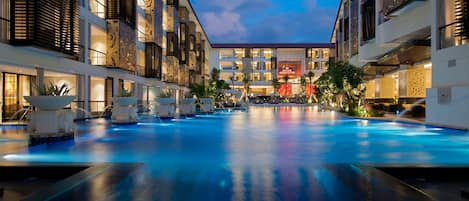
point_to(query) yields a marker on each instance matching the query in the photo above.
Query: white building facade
(264, 62)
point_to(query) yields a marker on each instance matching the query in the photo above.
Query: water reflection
(264, 154)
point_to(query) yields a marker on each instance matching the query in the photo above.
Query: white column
(39, 78)
(86, 90)
(115, 87)
(1, 95)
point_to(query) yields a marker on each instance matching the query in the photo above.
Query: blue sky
(267, 21)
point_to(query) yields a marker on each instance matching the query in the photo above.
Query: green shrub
(166, 94)
(376, 113)
(53, 90)
(125, 93)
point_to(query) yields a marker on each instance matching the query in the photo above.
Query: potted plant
(125, 98)
(51, 122)
(166, 105)
(124, 110)
(188, 105)
(51, 97)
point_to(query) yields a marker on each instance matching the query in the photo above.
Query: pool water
(267, 153)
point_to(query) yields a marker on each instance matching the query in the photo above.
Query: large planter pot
(165, 108)
(188, 101)
(49, 102)
(187, 107)
(166, 101)
(206, 101)
(206, 105)
(124, 101)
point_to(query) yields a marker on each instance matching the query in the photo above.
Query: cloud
(224, 25)
(271, 21)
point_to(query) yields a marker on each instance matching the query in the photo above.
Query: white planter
(188, 101)
(124, 110)
(206, 105)
(124, 101)
(206, 101)
(49, 102)
(165, 107)
(166, 101)
(187, 106)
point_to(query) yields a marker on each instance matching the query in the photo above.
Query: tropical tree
(275, 85)
(246, 85)
(341, 86)
(303, 84)
(310, 77)
(285, 79)
(214, 75)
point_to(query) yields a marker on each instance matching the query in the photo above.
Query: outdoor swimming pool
(266, 153)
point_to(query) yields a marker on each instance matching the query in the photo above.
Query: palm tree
(246, 84)
(303, 84)
(276, 85)
(215, 75)
(310, 77)
(285, 79)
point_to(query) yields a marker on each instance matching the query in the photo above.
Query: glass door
(10, 95)
(15, 87)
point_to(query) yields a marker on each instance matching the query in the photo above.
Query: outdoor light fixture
(428, 65)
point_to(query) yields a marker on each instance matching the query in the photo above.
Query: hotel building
(99, 48)
(410, 50)
(264, 62)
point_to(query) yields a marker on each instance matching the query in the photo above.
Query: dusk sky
(267, 21)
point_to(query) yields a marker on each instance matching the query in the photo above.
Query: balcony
(396, 7)
(415, 23)
(97, 58)
(450, 36)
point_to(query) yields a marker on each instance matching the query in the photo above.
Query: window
(98, 7)
(268, 65)
(368, 20)
(453, 23)
(98, 47)
(226, 53)
(267, 53)
(325, 54)
(268, 76)
(226, 65)
(4, 21)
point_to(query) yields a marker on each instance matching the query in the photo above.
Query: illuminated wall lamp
(428, 65)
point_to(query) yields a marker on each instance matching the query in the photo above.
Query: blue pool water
(264, 154)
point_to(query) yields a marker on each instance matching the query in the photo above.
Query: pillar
(39, 78)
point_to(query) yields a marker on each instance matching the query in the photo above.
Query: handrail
(449, 36)
(97, 57)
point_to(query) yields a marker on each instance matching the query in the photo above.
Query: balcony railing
(98, 8)
(450, 36)
(390, 6)
(97, 58)
(4, 30)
